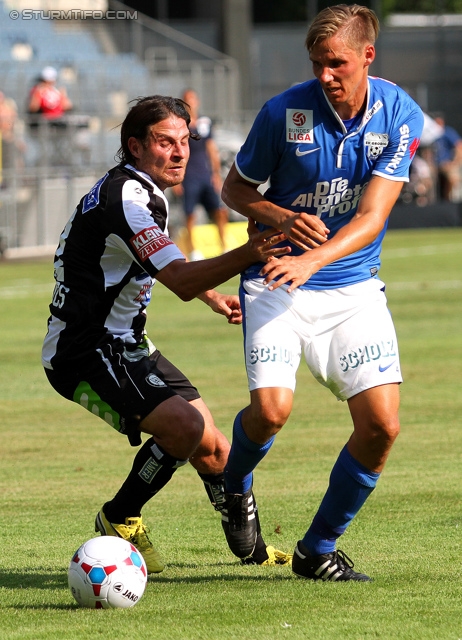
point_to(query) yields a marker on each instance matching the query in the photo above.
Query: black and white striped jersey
(105, 266)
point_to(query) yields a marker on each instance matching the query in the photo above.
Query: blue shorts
(200, 192)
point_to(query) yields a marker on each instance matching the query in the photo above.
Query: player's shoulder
(301, 96)
(97, 196)
(301, 91)
(390, 93)
(127, 177)
(117, 176)
(123, 184)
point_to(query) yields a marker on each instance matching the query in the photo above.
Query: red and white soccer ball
(107, 573)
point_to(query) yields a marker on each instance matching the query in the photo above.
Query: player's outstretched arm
(189, 279)
(229, 305)
(304, 230)
(373, 210)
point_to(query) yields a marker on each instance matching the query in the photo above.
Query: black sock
(214, 484)
(152, 469)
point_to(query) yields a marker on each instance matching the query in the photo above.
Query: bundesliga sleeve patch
(149, 241)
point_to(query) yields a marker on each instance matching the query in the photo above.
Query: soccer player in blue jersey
(336, 151)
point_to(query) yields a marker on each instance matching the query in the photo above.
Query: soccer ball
(107, 573)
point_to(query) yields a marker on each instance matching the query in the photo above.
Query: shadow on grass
(220, 578)
(221, 572)
(52, 579)
(45, 607)
(41, 578)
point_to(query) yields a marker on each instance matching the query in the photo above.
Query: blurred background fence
(104, 64)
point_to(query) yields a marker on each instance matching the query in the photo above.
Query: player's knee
(177, 426)
(392, 430)
(383, 433)
(270, 419)
(191, 428)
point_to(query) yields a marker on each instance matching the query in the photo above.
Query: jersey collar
(367, 115)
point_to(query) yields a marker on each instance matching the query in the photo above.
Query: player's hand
(288, 270)
(305, 230)
(226, 305)
(263, 244)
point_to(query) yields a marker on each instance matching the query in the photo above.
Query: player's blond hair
(358, 25)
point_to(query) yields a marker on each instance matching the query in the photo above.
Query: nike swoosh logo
(382, 369)
(304, 153)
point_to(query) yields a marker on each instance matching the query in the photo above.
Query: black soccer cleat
(333, 567)
(239, 523)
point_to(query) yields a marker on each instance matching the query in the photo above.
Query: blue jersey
(313, 163)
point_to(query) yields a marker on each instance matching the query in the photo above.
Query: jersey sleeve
(142, 238)
(404, 139)
(259, 155)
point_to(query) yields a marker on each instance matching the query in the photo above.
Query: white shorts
(346, 336)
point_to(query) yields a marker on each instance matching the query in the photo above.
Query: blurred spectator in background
(448, 159)
(8, 116)
(202, 182)
(12, 144)
(46, 99)
(421, 186)
(53, 131)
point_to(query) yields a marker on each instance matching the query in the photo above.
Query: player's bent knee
(269, 409)
(270, 419)
(191, 430)
(393, 430)
(384, 434)
(177, 426)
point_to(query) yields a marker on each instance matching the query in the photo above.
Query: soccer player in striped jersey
(96, 351)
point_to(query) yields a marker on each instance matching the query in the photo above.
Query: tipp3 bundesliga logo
(299, 125)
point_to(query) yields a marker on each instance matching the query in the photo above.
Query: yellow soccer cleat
(276, 557)
(135, 532)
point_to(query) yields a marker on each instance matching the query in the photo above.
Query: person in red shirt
(47, 99)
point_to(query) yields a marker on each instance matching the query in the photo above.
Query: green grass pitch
(58, 464)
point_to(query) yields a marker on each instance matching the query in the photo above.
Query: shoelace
(343, 559)
(140, 538)
(282, 558)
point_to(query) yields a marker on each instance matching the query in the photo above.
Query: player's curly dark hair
(146, 112)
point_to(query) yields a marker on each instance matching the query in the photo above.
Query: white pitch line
(25, 290)
(429, 250)
(424, 286)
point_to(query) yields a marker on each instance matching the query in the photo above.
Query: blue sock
(243, 458)
(349, 487)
